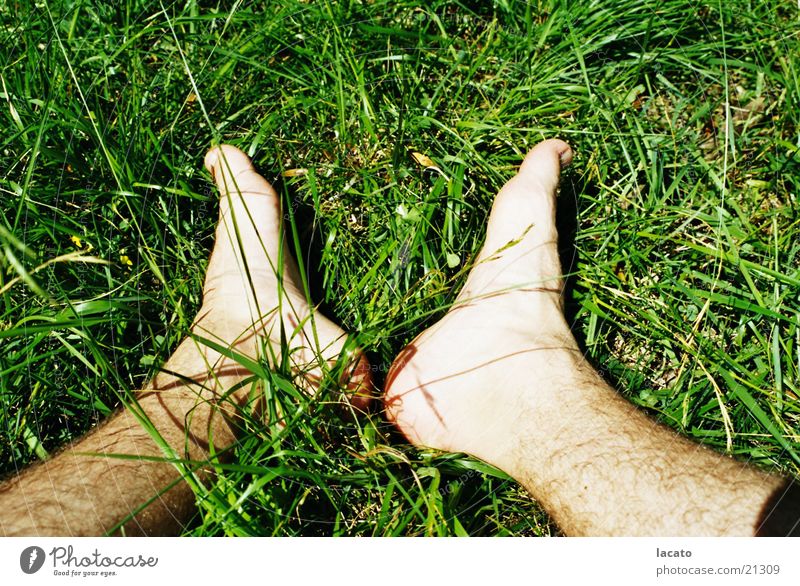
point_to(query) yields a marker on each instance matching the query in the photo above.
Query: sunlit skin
(252, 291)
(500, 377)
(521, 396)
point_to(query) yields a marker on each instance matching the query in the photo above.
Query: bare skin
(252, 290)
(520, 396)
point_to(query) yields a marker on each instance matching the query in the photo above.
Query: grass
(679, 220)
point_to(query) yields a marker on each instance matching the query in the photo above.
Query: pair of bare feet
(484, 380)
(499, 377)
(446, 389)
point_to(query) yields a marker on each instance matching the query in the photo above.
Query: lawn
(678, 219)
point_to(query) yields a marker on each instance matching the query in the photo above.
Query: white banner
(398, 561)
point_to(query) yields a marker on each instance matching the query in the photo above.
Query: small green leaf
(453, 260)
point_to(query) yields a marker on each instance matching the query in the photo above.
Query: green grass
(679, 223)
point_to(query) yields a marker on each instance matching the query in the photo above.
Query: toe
(526, 204)
(544, 162)
(248, 235)
(541, 168)
(250, 218)
(233, 172)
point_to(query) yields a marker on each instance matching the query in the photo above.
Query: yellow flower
(76, 241)
(124, 259)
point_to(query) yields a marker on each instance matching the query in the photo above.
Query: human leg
(521, 396)
(251, 293)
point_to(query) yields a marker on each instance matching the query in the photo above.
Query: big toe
(545, 161)
(249, 232)
(526, 206)
(234, 173)
(226, 160)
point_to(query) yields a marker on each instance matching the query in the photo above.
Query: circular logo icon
(31, 559)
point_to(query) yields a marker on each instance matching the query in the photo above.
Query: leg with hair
(252, 291)
(521, 396)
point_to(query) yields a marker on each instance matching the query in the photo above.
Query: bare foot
(253, 295)
(501, 377)
(456, 386)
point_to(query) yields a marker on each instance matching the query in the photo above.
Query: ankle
(565, 408)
